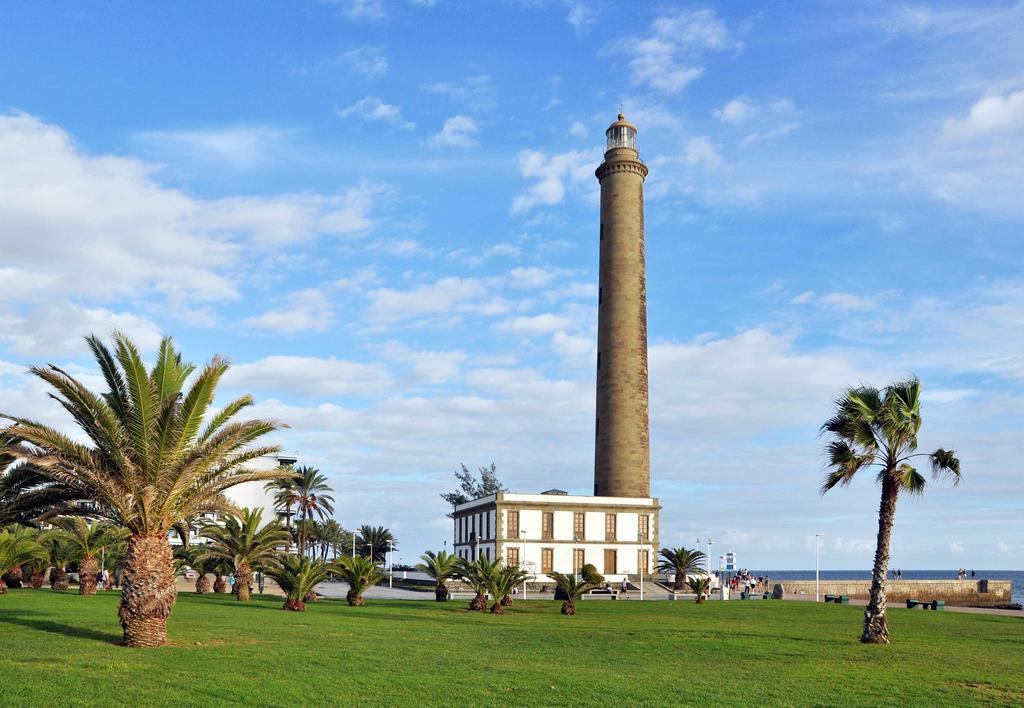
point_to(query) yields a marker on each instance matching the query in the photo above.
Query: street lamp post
(640, 563)
(817, 582)
(522, 560)
(391, 555)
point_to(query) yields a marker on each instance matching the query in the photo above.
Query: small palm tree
(477, 575)
(85, 540)
(442, 567)
(501, 584)
(60, 554)
(683, 562)
(195, 558)
(572, 588)
(313, 499)
(297, 576)
(873, 428)
(284, 498)
(243, 543)
(154, 457)
(17, 547)
(700, 585)
(219, 568)
(330, 536)
(360, 573)
(374, 542)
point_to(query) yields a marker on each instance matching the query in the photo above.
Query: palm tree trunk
(441, 592)
(680, 582)
(876, 625)
(202, 584)
(497, 608)
(87, 576)
(243, 578)
(38, 578)
(3, 586)
(294, 605)
(479, 603)
(148, 592)
(568, 607)
(59, 579)
(12, 577)
(354, 599)
(219, 585)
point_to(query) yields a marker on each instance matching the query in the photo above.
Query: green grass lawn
(60, 648)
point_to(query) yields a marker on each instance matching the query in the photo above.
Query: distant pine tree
(472, 488)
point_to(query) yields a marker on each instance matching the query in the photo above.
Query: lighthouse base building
(616, 530)
(557, 532)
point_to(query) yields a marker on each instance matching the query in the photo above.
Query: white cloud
(475, 92)
(363, 9)
(303, 311)
(699, 151)
(372, 108)
(990, 114)
(60, 329)
(658, 59)
(554, 175)
(238, 147)
(736, 111)
(578, 129)
(957, 547)
(309, 376)
(581, 16)
(426, 366)
(546, 323)
(458, 131)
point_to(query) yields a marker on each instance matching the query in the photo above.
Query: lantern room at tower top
(621, 134)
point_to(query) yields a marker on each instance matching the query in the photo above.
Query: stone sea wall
(961, 593)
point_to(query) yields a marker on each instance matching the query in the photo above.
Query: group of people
(105, 581)
(962, 574)
(746, 582)
(897, 574)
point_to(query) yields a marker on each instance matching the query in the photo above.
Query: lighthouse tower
(622, 449)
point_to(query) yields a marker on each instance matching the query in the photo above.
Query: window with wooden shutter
(547, 560)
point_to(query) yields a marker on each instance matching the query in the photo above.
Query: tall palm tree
(246, 545)
(312, 498)
(85, 540)
(331, 537)
(878, 429)
(360, 573)
(683, 562)
(572, 587)
(154, 457)
(297, 576)
(501, 583)
(442, 567)
(375, 541)
(284, 498)
(17, 547)
(477, 575)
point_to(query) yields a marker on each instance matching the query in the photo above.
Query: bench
(601, 595)
(838, 599)
(465, 595)
(926, 604)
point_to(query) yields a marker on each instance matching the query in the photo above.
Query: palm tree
(501, 583)
(219, 568)
(313, 499)
(572, 588)
(243, 543)
(85, 540)
(360, 573)
(26, 494)
(873, 428)
(154, 457)
(683, 562)
(59, 555)
(297, 576)
(442, 567)
(17, 547)
(477, 575)
(195, 558)
(284, 498)
(700, 585)
(331, 537)
(375, 541)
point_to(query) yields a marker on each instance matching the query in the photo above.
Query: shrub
(591, 576)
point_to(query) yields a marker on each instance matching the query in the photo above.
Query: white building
(554, 531)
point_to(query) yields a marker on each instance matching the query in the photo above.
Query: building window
(609, 527)
(599, 361)
(547, 529)
(579, 525)
(578, 559)
(512, 557)
(600, 292)
(645, 527)
(609, 561)
(513, 525)
(547, 560)
(643, 561)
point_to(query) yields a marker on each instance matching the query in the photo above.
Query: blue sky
(385, 214)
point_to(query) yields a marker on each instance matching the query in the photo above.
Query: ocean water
(1017, 576)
